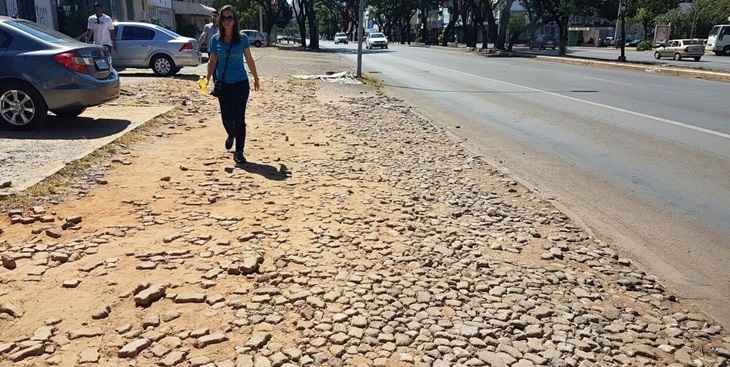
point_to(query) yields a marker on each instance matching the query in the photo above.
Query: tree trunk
(298, 9)
(313, 26)
(424, 24)
(447, 32)
(505, 14)
(563, 27)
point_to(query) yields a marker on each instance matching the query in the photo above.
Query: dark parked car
(44, 70)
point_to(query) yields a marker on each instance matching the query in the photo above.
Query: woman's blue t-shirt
(235, 71)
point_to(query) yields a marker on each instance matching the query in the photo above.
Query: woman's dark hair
(236, 37)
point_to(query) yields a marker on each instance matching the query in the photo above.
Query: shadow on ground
(57, 128)
(193, 77)
(265, 170)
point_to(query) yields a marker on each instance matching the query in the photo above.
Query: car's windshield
(40, 32)
(715, 30)
(377, 35)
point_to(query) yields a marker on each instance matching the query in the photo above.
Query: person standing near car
(209, 30)
(227, 51)
(101, 29)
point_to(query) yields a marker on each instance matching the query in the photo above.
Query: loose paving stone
(89, 355)
(101, 313)
(10, 309)
(190, 298)
(150, 295)
(199, 361)
(8, 262)
(71, 283)
(258, 340)
(169, 316)
(244, 361)
(151, 321)
(86, 332)
(214, 338)
(30, 351)
(174, 358)
(131, 349)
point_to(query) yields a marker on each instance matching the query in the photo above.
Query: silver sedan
(144, 45)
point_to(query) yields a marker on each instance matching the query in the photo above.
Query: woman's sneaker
(239, 158)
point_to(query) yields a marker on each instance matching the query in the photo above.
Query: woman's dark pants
(233, 111)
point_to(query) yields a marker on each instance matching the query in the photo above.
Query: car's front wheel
(726, 51)
(21, 106)
(677, 57)
(70, 113)
(163, 65)
(258, 44)
(657, 55)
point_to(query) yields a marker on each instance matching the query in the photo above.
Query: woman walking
(227, 50)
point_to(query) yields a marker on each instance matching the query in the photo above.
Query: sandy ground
(359, 234)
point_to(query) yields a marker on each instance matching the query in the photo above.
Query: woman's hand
(252, 67)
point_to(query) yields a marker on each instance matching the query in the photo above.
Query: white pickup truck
(719, 40)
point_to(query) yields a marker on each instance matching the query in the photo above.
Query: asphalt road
(708, 62)
(642, 159)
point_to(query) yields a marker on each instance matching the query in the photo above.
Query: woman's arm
(212, 62)
(252, 66)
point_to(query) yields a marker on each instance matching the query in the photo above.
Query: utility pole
(261, 19)
(622, 9)
(360, 30)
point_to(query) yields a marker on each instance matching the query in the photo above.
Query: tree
(698, 20)
(560, 12)
(299, 14)
(504, 18)
(276, 13)
(517, 25)
(313, 26)
(644, 17)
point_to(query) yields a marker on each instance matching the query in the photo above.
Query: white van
(719, 40)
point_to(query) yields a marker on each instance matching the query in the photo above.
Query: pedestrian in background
(209, 30)
(100, 29)
(227, 51)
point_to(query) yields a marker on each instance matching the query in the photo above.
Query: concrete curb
(137, 116)
(684, 72)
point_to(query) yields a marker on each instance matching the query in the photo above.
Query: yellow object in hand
(203, 85)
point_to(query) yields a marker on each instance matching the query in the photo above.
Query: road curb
(684, 72)
(52, 168)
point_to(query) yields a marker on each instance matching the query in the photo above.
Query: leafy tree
(517, 26)
(698, 20)
(644, 17)
(560, 12)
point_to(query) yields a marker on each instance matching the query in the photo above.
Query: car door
(134, 45)
(4, 43)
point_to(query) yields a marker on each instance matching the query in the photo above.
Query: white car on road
(341, 37)
(376, 40)
(719, 40)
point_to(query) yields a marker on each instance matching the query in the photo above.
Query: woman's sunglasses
(228, 17)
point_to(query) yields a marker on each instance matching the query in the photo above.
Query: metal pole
(360, 30)
(622, 6)
(261, 19)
